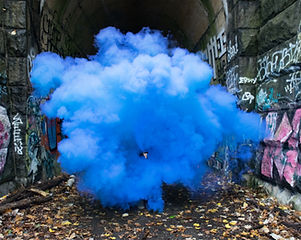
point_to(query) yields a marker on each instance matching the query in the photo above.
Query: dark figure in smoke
(143, 203)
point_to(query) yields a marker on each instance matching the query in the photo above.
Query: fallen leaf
(66, 223)
(227, 226)
(233, 223)
(212, 210)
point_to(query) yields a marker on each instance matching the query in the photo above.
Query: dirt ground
(229, 211)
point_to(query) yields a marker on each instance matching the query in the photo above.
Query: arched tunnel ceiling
(186, 20)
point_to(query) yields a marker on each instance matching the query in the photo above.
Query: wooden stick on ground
(24, 203)
(28, 192)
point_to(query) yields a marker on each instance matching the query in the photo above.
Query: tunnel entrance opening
(68, 27)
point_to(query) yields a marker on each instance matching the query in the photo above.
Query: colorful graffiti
(43, 135)
(265, 100)
(281, 152)
(5, 127)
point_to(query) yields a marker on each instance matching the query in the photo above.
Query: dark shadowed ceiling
(186, 20)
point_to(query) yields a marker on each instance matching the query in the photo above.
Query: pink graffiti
(4, 136)
(267, 162)
(284, 130)
(290, 167)
(293, 141)
(285, 161)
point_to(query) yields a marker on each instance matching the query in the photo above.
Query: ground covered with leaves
(229, 211)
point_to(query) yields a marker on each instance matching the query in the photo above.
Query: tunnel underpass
(247, 43)
(80, 21)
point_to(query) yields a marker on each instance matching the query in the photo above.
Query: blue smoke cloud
(137, 95)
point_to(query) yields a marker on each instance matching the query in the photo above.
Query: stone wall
(13, 93)
(25, 155)
(278, 91)
(264, 70)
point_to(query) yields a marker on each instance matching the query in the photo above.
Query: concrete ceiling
(186, 20)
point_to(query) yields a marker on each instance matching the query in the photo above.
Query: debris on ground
(232, 212)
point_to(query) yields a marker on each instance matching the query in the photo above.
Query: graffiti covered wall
(278, 98)
(265, 75)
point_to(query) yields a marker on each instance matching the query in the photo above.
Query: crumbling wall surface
(278, 91)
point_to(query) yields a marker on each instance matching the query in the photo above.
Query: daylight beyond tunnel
(79, 21)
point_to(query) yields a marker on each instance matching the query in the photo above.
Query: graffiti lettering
(42, 2)
(245, 80)
(279, 60)
(232, 79)
(293, 82)
(232, 49)
(216, 48)
(248, 97)
(17, 121)
(30, 57)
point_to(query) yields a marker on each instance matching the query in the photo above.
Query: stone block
(2, 42)
(284, 197)
(270, 8)
(279, 29)
(17, 71)
(14, 15)
(3, 75)
(296, 202)
(247, 14)
(19, 96)
(16, 43)
(247, 66)
(247, 39)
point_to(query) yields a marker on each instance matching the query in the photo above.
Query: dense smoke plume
(137, 95)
